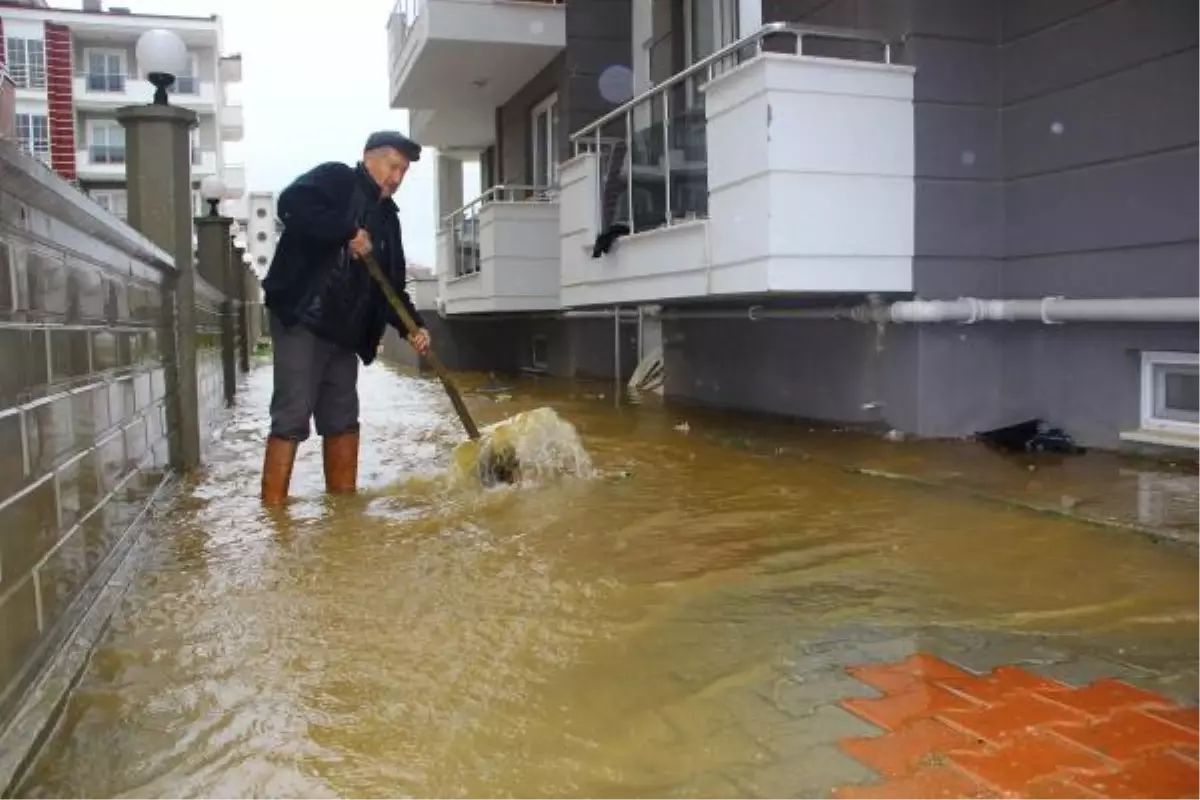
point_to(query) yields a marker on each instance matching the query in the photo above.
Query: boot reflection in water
(327, 314)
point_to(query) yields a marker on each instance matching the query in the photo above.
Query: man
(326, 310)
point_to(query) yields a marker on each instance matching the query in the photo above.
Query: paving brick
(1001, 684)
(801, 696)
(895, 677)
(929, 783)
(1056, 788)
(754, 714)
(821, 656)
(917, 702)
(1105, 697)
(1157, 775)
(825, 727)
(1127, 734)
(1088, 669)
(920, 744)
(997, 652)
(1011, 768)
(1186, 718)
(1013, 717)
(697, 718)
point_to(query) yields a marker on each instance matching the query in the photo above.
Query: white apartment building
(257, 229)
(73, 68)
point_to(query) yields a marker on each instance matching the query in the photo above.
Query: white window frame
(106, 52)
(114, 201)
(94, 125)
(549, 107)
(1151, 391)
(193, 73)
(27, 139)
(22, 76)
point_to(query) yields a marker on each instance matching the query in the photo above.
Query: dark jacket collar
(371, 188)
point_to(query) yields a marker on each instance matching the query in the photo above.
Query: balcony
(110, 91)
(233, 123)
(759, 170)
(500, 253)
(457, 60)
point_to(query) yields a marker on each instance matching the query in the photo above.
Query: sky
(314, 84)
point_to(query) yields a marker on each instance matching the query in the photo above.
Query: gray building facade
(1055, 155)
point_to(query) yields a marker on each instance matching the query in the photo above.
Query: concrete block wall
(89, 422)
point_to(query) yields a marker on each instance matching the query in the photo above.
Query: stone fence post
(216, 263)
(158, 172)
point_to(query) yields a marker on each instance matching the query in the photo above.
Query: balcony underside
(462, 131)
(470, 54)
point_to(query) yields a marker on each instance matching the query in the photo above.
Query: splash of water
(537, 445)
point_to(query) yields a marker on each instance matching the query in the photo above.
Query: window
(1171, 392)
(106, 142)
(262, 261)
(261, 213)
(114, 201)
(105, 71)
(188, 82)
(261, 236)
(33, 134)
(539, 355)
(27, 62)
(545, 142)
(710, 25)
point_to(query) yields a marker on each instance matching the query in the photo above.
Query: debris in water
(894, 435)
(683, 427)
(527, 448)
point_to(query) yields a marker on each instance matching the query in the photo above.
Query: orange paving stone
(1157, 775)
(1105, 697)
(903, 752)
(1186, 718)
(914, 670)
(1127, 734)
(1001, 684)
(1015, 734)
(930, 783)
(1011, 717)
(919, 701)
(1016, 765)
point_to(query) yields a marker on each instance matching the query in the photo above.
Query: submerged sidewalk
(699, 621)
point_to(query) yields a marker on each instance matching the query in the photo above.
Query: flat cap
(396, 140)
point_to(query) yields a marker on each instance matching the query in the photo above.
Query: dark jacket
(314, 281)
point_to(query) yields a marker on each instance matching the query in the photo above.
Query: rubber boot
(277, 470)
(341, 463)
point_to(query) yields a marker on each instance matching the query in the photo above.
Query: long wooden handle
(398, 305)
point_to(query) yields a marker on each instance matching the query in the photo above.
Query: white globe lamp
(162, 56)
(212, 189)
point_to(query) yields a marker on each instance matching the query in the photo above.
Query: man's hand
(420, 341)
(360, 245)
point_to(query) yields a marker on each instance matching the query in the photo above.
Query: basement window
(1170, 399)
(539, 353)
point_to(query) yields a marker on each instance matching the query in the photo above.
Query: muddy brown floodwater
(676, 626)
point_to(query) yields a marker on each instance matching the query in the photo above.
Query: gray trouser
(314, 379)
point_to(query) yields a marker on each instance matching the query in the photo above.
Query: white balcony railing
(462, 225)
(652, 150)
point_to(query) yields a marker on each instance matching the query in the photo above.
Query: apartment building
(73, 68)
(937, 217)
(256, 229)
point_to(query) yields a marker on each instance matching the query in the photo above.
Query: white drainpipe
(1048, 310)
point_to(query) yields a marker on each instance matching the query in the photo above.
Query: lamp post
(216, 266)
(159, 176)
(162, 57)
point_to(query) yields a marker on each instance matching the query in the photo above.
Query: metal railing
(463, 223)
(29, 75)
(653, 149)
